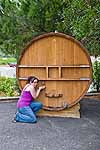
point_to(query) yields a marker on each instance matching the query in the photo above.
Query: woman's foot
(14, 120)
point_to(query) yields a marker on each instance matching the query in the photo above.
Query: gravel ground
(51, 133)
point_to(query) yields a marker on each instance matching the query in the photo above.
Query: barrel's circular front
(62, 63)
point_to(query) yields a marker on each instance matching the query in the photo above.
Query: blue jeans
(27, 113)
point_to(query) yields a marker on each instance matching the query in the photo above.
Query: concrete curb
(9, 99)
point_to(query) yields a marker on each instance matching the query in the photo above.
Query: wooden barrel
(62, 63)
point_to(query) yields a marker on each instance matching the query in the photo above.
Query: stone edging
(8, 99)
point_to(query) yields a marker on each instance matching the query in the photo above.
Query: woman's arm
(35, 93)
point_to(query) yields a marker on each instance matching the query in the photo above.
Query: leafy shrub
(96, 75)
(9, 87)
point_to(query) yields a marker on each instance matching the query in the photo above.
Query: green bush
(8, 87)
(96, 76)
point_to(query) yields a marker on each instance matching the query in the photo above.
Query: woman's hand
(42, 87)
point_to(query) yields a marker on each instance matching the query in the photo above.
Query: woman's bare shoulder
(27, 87)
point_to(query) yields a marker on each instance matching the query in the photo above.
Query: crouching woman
(27, 105)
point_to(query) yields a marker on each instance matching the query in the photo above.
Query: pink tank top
(24, 99)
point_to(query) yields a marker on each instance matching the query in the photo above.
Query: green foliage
(8, 87)
(21, 20)
(7, 60)
(96, 76)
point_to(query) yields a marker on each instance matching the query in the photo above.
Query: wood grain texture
(61, 62)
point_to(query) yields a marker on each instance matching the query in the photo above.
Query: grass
(4, 61)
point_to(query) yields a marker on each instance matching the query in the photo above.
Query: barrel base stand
(72, 112)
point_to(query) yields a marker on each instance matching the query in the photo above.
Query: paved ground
(52, 133)
(7, 71)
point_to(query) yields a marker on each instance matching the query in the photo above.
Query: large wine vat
(62, 63)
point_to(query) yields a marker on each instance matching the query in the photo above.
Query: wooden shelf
(54, 66)
(55, 73)
(60, 79)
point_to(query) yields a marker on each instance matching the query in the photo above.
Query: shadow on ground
(51, 133)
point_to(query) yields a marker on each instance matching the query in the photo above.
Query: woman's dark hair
(31, 79)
